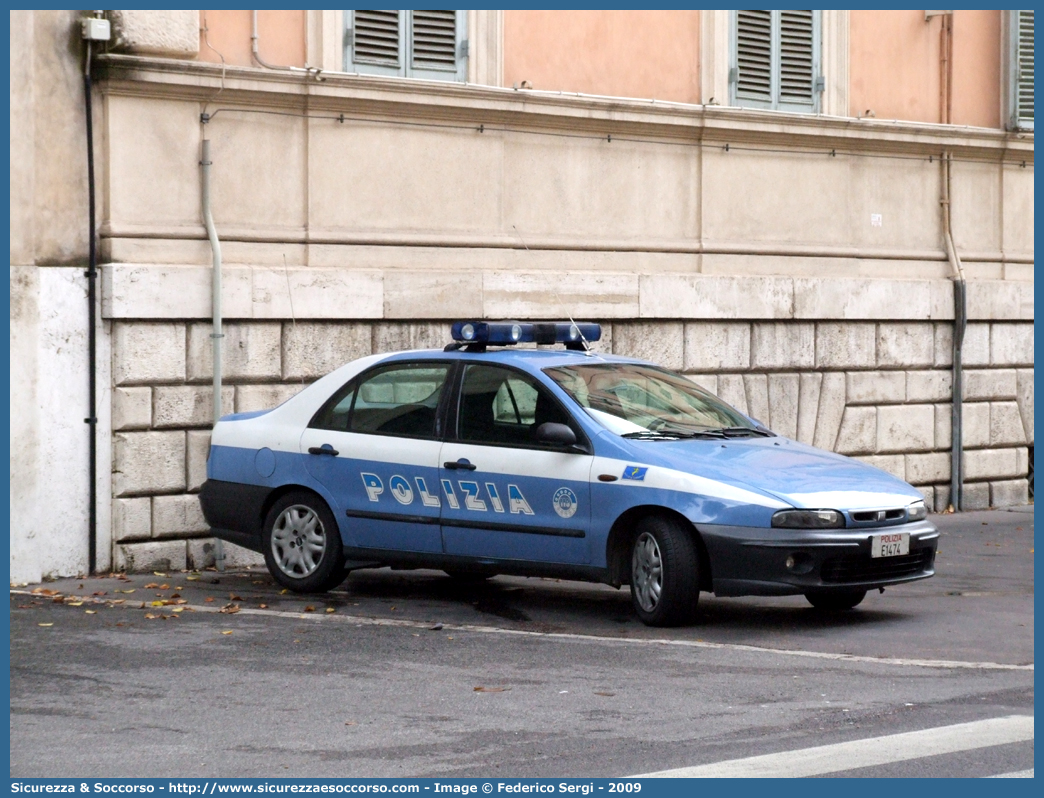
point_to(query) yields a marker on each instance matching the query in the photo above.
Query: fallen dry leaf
(258, 582)
(230, 609)
(309, 608)
(350, 723)
(151, 585)
(208, 599)
(263, 606)
(481, 689)
(116, 601)
(330, 609)
(43, 591)
(597, 692)
(91, 612)
(156, 603)
(227, 632)
(25, 606)
(150, 617)
(45, 624)
(120, 623)
(178, 609)
(75, 603)
(98, 593)
(284, 591)
(123, 591)
(158, 573)
(192, 578)
(234, 597)
(176, 595)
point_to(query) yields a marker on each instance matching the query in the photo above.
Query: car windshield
(639, 401)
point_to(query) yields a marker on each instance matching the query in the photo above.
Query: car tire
(302, 544)
(664, 572)
(836, 601)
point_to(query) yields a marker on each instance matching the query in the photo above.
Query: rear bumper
(235, 511)
(748, 561)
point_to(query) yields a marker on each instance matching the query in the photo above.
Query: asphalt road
(572, 684)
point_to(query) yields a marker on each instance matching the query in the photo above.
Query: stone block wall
(879, 392)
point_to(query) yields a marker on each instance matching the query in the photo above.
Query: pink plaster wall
(652, 54)
(281, 37)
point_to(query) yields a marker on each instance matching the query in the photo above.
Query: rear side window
(400, 400)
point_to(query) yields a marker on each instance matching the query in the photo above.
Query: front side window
(632, 399)
(505, 407)
(399, 400)
(775, 60)
(411, 44)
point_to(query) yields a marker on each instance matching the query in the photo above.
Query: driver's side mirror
(555, 434)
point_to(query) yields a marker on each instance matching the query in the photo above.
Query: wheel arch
(621, 538)
(283, 490)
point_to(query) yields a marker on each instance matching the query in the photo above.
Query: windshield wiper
(671, 435)
(742, 432)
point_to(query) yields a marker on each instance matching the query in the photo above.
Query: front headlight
(808, 519)
(917, 511)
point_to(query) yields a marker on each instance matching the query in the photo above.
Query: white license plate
(891, 545)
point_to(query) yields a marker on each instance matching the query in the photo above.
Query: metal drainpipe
(216, 334)
(960, 324)
(92, 346)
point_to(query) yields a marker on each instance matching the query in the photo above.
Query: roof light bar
(508, 333)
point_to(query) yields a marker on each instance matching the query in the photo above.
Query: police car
(484, 458)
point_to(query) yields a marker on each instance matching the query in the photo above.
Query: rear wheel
(836, 601)
(302, 544)
(664, 573)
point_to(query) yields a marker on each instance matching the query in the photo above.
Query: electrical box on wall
(95, 30)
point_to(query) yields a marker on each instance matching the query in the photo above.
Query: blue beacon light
(508, 333)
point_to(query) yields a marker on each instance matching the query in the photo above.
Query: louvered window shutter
(1022, 71)
(776, 60)
(375, 42)
(413, 44)
(754, 55)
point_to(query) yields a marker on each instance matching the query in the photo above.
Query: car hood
(800, 475)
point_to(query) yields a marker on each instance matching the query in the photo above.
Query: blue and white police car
(485, 459)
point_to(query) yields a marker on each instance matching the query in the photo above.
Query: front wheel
(302, 544)
(836, 601)
(664, 573)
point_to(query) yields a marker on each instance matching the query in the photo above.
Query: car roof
(523, 358)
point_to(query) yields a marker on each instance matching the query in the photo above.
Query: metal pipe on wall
(92, 344)
(216, 333)
(960, 324)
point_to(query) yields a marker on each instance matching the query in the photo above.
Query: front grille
(864, 568)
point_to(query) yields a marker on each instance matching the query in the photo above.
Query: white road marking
(361, 620)
(865, 753)
(1018, 774)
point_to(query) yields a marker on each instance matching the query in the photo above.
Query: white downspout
(216, 334)
(960, 324)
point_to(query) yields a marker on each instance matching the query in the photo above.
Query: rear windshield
(633, 398)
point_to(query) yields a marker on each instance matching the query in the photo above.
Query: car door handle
(325, 449)
(461, 464)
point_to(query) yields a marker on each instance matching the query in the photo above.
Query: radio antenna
(587, 345)
(520, 238)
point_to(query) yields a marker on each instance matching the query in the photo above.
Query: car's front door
(505, 496)
(375, 446)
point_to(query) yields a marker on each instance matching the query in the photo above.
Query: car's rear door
(504, 495)
(375, 446)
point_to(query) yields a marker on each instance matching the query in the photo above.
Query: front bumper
(749, 561)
